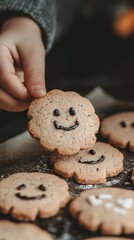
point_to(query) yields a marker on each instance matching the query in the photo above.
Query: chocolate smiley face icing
(22, 231)
(119, 129)
(91, 166)
(109, 210)
(63, 121)
(41, 187)
(28, 195)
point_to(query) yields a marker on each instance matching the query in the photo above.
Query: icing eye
(56, 113)
(132, 125)
(42, 187)
(123, 124)
(72, 111)
(21, 187)
(92, 152)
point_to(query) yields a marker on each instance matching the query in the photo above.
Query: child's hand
(22, 64)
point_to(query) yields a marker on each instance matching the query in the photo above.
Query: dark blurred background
(96, 50)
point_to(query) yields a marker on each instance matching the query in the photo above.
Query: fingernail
(38, 89)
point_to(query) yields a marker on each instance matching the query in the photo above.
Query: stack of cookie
(66, 124)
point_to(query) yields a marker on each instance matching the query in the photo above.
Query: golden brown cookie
(110, 210)
(63, 121)
(90, 166)
(28, 195)
(22, 231)
(119, 129)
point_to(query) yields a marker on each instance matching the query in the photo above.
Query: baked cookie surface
(63, 121)
(109, 210)
(119, 129)
(28, 195)
(90, 166)
(22, 231)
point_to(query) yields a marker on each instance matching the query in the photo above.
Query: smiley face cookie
(63, 121)
(90, 166)
(119, 129)
(110, 210)
(28, 195)
(21, 231)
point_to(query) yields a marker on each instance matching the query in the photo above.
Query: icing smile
(57, 126)
(101, 159)
(38, 197)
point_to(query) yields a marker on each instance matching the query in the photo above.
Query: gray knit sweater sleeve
(42, 11)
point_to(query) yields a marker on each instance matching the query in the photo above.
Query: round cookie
(63, 121)
(119, 129)
(109, 210)
(21, 231)
(28, 195)
(90, 166)
(107, 238)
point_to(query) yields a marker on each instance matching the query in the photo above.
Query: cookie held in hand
(119, 129)
(109, 210)
(63, 121)
(28, 195)
(22, 231)
(90, 166)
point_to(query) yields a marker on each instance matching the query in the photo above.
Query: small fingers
(11, 104)
(20, 75)
(33, 61)
(9, 81)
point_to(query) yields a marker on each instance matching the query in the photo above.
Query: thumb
(33, 61)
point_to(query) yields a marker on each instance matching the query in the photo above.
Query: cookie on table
(90, 166)
(22, 231)
(110, 210)
(107, 238)
(63, 121)
(119, 129)
(28, 195)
